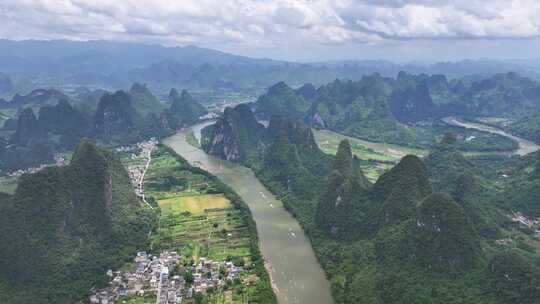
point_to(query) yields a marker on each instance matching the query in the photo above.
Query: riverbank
(295, 271)
(205, 248)
(525, 146)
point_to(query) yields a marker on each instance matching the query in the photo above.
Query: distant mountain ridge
(393, 110)
(115, 64)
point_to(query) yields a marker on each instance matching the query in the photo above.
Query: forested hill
(427, 231)
(49, 121)
(394, 109)
(65, 226)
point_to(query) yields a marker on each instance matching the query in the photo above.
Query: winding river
(295, 272)
(525, 146)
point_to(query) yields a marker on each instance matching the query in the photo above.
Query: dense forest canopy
(427, 230)
(65, 226)
(405, 109)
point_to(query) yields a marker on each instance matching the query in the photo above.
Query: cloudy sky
(306, 30)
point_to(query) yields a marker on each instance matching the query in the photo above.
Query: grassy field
(195, 220)
(193, 204)
(375, 158)
(202, 226)
(198, 220)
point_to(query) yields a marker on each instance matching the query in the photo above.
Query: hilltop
(426, 230)
(67, 226)
(47, 121)
(406, 110)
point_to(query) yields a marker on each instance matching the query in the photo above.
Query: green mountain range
(425, 232)
(404, 110)
(65, 226)
(112, 118)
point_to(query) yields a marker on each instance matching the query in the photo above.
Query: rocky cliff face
(344, 188)
(114, 115)
(64, 120)
(28, 128)
(233, 136)
(184, 110)
(295, 131)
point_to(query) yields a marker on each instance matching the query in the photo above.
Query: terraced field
(196, 204)
(195, 219)
(202, 225)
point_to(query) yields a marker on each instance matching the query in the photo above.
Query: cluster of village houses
(523, 221)
(142, 150)
(166, 278)
(530, 223)
(58, 161)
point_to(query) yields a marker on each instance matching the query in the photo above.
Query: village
(166, 278)
(141, 154)
(521, 220)
(531, 223)
(59, 160)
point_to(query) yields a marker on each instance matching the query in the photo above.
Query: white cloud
(279, 23)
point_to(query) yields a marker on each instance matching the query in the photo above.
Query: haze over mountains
(116, 65)
(408, 209)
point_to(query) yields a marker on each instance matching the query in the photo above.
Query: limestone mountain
(116, 117)
(284, 155)
(86, 100)
(397, 241)
(282, 100)
(28, 128)
(28, 145)
(144, 102)
(308, 92)
(413, 103)
(293, 130)
(36, 98)
(64, 120)
(401, 189)
(289, 144)
(234, 136)
(67, 225)
(445, 239)
(445, 164)
(184, 110)
(394, 109)
(336, 214)
(449, 171)
(359, 109)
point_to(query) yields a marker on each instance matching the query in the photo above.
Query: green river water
(296, 274)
